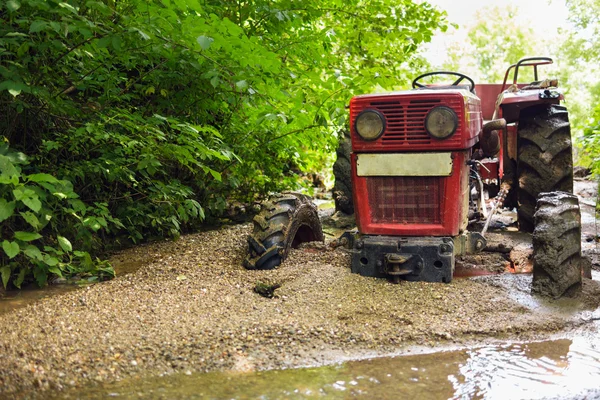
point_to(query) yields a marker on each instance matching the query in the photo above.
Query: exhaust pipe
(489, 138)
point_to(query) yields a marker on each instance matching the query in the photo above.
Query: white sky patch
(545, 17)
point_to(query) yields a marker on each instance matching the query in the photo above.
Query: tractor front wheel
(545, 158)
(285, 221)
(557, 245)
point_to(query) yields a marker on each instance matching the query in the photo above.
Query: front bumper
(429, 259)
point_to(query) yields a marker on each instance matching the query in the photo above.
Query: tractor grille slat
(405, 200)
(406, 120)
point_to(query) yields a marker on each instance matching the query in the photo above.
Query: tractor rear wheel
(557, 245)
(545, 158)
(342, 171)
(285, 221)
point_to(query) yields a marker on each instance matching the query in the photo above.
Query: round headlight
(370, 124)
(441, 122)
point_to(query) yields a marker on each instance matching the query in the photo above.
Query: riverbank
(191, 307)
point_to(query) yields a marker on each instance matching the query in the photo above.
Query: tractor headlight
(370, 124)
(441, 122)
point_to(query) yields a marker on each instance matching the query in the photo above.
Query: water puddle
(553, 369)
(15, 299)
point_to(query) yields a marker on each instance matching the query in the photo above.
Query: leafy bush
(35, 208)
(159, 112)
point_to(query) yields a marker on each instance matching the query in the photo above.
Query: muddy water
(15, 299)
(566, 368)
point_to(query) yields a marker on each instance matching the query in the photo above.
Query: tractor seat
(545, 84)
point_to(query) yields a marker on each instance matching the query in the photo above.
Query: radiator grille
(406, 120)
(405, 200)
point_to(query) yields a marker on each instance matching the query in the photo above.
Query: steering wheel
(461, 77)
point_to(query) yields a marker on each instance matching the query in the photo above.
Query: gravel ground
(192, 307)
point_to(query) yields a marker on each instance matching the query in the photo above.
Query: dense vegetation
(123, 120)
(581, 50)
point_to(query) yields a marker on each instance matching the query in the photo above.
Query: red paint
(405, 114)
(412, 206)
(489, 169)
(488, 93)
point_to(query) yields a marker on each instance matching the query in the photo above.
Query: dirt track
(192, 307)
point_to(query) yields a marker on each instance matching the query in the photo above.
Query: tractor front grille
(405, 200)
(406, 120)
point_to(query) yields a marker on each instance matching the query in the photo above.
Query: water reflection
(16, 299)
(552, 369)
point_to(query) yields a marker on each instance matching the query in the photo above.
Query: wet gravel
(191, 307)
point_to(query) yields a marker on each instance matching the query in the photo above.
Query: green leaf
(51, 261)
(20, 278)
(27, 236)
(92, 222)
(55, 270)
(116, 43)
(37, 26)
(28, 197)
(13, 5)
(14, 87)
(204, 41)
(7, 168)
(33, 252)
(214, 81)
(33, 203)
(41, 276)
(31, 219)
(5, 271)
(64, 243)
(104, 42)
(42, 178)
(7, 209)
(142, 34)
(68, 7)
(10, 248)
(215, 175)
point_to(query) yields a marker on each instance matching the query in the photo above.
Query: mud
(192, 308)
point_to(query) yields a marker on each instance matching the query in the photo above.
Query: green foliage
(159, 112)
(591, 140)
(581, 71)
(34, 209)
(495, 41)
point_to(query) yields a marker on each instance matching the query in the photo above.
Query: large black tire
(342, 172)
(557, 245)
(545, 158)
(285, 221)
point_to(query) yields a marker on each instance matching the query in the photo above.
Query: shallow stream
(557, 369)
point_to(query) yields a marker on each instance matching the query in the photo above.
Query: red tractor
(419, 166)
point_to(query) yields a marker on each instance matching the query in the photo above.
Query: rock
(581, 172)
(340, 220)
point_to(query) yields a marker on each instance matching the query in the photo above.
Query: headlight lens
(370, 124)
(441, 122)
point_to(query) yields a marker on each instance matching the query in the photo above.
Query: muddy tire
(545, 158)
(285, 221)
(342, 171)
(557, 245)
